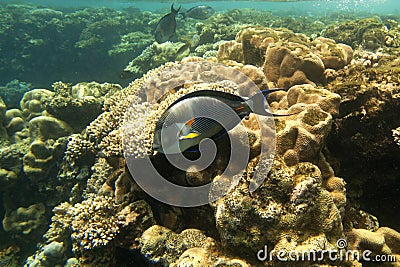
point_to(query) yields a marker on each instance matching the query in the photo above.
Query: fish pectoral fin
(191, 135)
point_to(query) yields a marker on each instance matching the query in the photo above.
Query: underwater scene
(187, 133)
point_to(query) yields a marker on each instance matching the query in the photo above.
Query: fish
(198, 12)
(184, 124)
(166, 26)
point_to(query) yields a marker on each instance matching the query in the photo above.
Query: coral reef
(278, 213)
(25, 220)
(301, 196)
(383, 242)
(78, 105)
(370, 100)
(43, 45)
(301, 139)
(35, 141)
(287, 58)
(64, 151)
(370, 33)
(191, 247)
(155, 55)
(97, 227)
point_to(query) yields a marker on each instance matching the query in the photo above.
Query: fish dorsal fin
(173, 10)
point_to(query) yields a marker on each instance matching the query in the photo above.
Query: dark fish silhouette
(182, 124)
(199, 12)
(166, 27)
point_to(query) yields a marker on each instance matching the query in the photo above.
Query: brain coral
(277, 214)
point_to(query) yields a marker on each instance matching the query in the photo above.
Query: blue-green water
(318, 7)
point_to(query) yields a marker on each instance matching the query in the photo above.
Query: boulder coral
(79, 104)
(382, 244)
(191, 247)
(25, 220)
(286, 58)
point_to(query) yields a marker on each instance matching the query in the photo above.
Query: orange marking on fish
(190, 122)
(239, 108)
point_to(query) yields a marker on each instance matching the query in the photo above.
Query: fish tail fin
(270, 114)
(183, 14)
(257, 103)
(266, 92)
